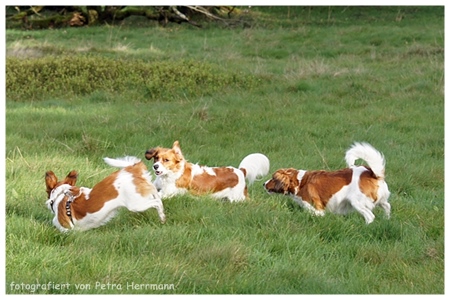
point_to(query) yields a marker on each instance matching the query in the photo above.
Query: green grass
(300, 90)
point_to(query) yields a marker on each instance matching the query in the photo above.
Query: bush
(35, 79)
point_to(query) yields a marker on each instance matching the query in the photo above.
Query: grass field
(299, 85)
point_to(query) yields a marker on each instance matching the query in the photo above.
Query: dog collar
(51, 205)
(68, 203)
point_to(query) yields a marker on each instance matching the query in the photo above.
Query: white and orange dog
(175, 175)
(357, 188)
(84, 208)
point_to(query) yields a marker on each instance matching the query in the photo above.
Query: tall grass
(300, 91)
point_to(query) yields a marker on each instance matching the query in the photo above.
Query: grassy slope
(324, 80)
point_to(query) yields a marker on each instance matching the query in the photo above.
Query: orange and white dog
(84, 208)
(175, 175)
(357, 188)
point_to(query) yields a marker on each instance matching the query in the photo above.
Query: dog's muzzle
(156, 167)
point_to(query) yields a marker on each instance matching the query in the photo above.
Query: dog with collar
(175, 175)
(359, 188)
(84, 208)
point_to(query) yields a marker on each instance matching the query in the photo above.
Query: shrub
(35, 79)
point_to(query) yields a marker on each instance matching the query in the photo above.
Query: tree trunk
(62, 16)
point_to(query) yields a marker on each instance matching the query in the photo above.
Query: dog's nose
(155, 167)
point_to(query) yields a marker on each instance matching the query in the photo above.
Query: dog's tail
(368, 153)
(255, 165)
(122, 162)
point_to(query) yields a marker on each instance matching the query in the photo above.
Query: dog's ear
(281, 181)
(71, 178)
(151, 153)
(176, 148)
(50, 181)
(292, 182)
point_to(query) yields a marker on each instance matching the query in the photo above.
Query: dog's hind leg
(140, 204)
(364, 206)
(387, 208)
(383, 196)
(365, 212)
(160, 210)
(155, 202)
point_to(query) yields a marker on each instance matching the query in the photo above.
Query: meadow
(299, 85)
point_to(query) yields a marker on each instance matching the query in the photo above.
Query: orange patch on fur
(102, 192)
(207, 183)
(368, 184)
(225, 178)
(142, 185)
(317, 187)
(185, 180)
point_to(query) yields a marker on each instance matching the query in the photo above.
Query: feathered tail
(255, 165)
(122, 162)
(366, 152)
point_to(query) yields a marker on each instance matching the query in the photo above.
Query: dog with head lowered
(175, 175)
(84, 208)
(357, 188)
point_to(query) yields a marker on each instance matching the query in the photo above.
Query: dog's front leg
(308, 206)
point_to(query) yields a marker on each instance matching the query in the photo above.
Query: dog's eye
(166, 160)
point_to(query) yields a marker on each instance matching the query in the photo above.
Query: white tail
(122, 162)
(256, 165)
(366, 152)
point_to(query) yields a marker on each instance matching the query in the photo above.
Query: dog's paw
(319, 213)
(163, 219)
